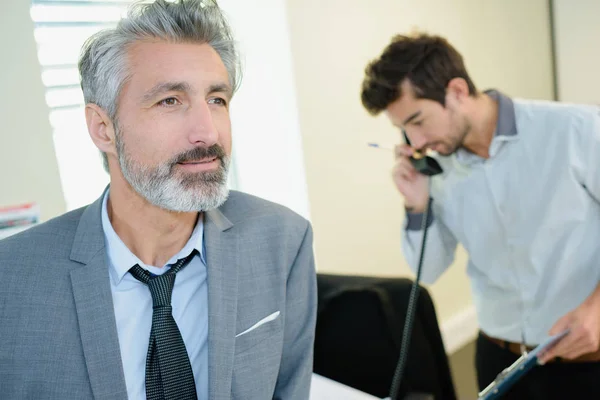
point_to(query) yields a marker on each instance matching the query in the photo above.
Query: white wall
(577, 35)
(28, 169)
(267, 141)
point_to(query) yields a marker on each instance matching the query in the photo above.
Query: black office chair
(359, 329)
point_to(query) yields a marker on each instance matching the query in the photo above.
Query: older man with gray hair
(169, 286)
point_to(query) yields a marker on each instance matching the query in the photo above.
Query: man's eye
(218, 100)
(418, 123)
(169, 101)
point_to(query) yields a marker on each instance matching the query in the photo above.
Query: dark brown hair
(428, 62)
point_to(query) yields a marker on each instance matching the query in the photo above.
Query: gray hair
(103, 63)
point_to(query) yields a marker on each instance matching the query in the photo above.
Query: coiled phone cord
(410, 312)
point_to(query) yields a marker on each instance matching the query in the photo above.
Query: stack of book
(17, 218)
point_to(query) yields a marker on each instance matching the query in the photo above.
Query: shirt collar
(507, 122)
(121, 259)
(506, 128)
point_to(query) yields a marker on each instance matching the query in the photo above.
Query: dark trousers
(555, 380)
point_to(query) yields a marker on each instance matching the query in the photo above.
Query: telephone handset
(425, 165)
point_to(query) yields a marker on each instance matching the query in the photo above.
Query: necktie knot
(161, 286)
(161, 289)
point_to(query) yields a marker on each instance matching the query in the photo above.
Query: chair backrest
(359, 330)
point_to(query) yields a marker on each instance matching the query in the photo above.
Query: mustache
(200, 153)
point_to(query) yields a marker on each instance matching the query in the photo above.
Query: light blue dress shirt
(133, 307)
(528, 217)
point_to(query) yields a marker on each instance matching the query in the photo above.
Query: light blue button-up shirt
(133, 307)
(528, 217)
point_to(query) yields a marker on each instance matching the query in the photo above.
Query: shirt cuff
(414, 221)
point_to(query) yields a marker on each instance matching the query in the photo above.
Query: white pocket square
(263, 321)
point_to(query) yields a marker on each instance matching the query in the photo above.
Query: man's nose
(202, 127)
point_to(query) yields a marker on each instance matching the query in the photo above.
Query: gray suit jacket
(58, 336)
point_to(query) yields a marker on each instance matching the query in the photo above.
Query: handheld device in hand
(424, 164)
(511, 375)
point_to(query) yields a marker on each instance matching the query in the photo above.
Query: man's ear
(457, 90)
(100, 128)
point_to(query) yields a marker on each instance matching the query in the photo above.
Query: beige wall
(578, 59)
(28, 169)
(357, 214)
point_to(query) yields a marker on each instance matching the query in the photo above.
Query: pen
(378, 146)
(416, 153)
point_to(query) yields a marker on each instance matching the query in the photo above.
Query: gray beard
(164, 188)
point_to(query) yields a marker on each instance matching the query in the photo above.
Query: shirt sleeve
(440, 246)
(584, 151)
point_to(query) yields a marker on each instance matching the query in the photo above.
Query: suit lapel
(95, 312)
(222, 255)
(94, 306)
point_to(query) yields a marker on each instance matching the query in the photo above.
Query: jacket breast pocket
(269, 327)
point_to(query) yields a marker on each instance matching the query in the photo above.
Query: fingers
(560, 349)
(578, 342)
(583, 341)
(404, 170)
(561, 346)
(575, 352)
(560, 325)
(403, 150)
(571, 352)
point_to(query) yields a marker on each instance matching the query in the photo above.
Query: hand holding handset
(426, 165)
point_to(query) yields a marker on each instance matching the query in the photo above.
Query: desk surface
(326, 389)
